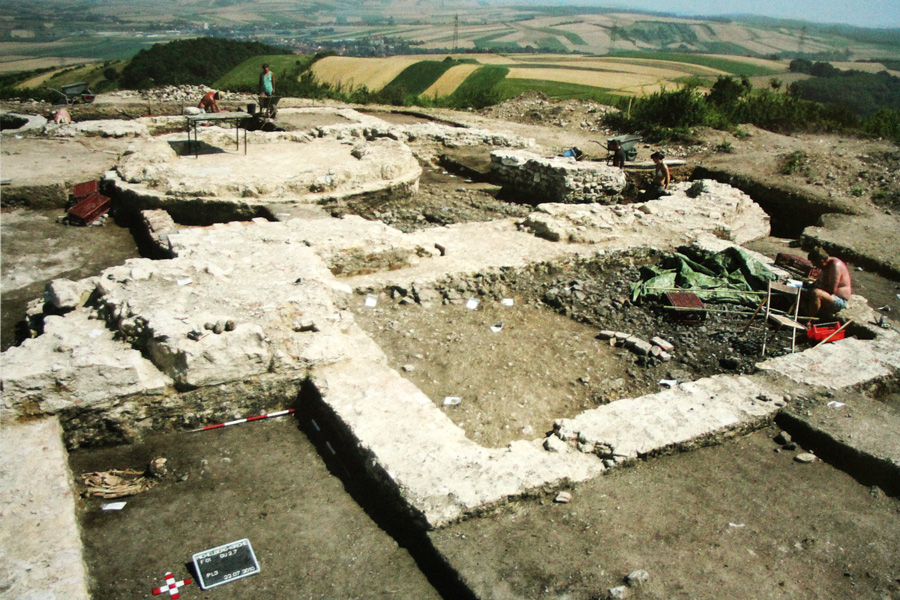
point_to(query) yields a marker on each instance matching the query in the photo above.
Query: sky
(862, 13)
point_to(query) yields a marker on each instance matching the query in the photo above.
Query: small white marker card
(225, 564)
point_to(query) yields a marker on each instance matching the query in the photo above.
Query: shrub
(795, 162)
(725, 147)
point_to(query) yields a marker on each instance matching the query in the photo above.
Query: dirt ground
(310, 531)
(38, 249)
(738, 520)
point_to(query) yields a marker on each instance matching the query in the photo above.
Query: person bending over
(832, 288)
(210, 102)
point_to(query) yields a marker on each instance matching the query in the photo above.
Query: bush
(726, 91)
(885, 124)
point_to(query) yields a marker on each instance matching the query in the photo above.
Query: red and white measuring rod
(247, 420)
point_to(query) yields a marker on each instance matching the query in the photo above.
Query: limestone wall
(558, 179)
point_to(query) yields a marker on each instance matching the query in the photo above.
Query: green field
(478, 90)
(417, 78)
(93, 74)
(573, 38)
(733, 67)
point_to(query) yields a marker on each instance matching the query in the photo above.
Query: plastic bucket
(251, 108)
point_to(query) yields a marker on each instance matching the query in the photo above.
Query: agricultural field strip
(864, 67)
(600, 79)
(669, 71)
(30, 64)
(449, 81)
(640, 90)
(373, 73)
(572, 38)
(71, 77)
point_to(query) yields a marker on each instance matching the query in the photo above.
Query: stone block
(665, 345)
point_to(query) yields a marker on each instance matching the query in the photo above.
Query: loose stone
(563, 498)
(637, 578)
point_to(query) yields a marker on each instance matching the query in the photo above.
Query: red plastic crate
(817, 334)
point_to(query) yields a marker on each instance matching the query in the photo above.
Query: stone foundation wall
(558, 180)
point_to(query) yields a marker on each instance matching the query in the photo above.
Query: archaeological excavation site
(431, 354)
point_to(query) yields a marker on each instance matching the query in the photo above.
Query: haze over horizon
(864, 13)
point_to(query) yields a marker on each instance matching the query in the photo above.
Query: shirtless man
(210, 103)
(833, 287)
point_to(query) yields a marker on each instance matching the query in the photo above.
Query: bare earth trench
(738, 520)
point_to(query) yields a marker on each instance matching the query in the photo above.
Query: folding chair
(782, 320)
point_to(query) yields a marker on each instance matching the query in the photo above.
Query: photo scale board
(225, 564)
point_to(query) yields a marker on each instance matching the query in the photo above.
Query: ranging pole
(247, 420)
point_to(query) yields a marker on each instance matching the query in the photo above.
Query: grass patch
(795, 162)
(659, 33)
(500, 46)
(510, 88)
(94, 74)
(478, 90)
(550, 44)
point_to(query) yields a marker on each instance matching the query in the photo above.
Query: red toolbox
(87, 210)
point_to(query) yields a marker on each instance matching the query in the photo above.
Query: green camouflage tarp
(715, 277)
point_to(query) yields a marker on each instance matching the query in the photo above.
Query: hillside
(56, 32)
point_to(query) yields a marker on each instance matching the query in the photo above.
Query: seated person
(659, 187)
(832, 288)
(209, 102)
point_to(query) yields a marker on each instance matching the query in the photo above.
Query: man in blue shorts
(833, 286)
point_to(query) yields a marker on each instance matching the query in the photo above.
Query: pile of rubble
(176, 93)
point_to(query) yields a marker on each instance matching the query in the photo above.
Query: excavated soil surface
(267, 483)
(738, 520)
(518, 368)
